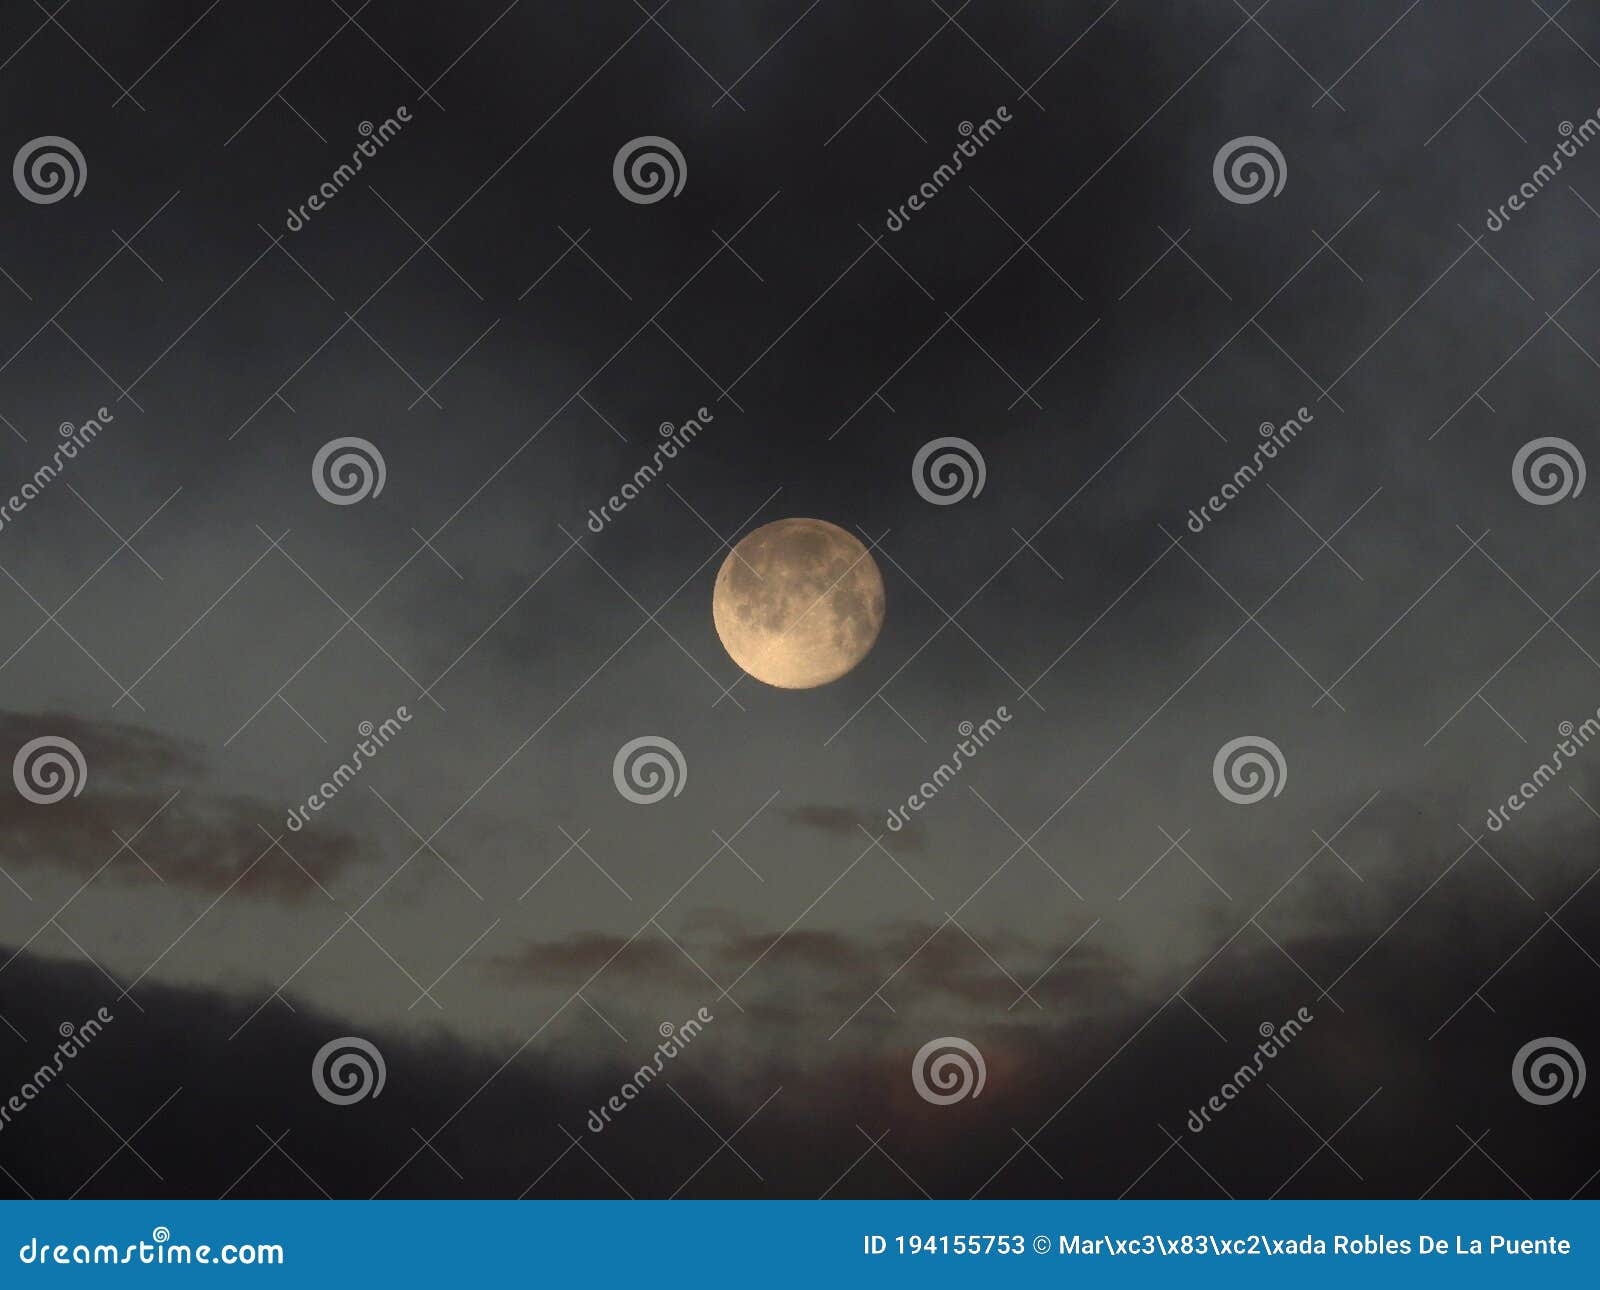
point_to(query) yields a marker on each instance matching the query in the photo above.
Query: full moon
(798, 603)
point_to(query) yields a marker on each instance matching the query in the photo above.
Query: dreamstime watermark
(1248, 769)
(1573, 740)
(1274, 1039)
(1274, 439)
(973, 738)
(973, 139)
(49, 168)
(372, 139)
(160, 1250)
(674, 439)
(348, 1070)
(674, 1039)
(948, 1069)
(1248, 169)
(373, 740)
(348, 470)
(649, 168)
(49, 769)
(74, 1039)
(1532, 186)
(1548, 470)
(948, 470)
(648, 769)
(1548, 1070)
(74, 439)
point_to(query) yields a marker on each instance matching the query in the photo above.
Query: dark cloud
(831, 971)
(153, 819)
(1392, 1089)
(852, 823)
(577, 959)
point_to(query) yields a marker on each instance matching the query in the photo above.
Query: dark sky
(1086, 308)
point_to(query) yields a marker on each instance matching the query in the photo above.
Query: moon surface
(798, 603)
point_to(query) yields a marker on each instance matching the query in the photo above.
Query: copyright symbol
(1041, 1244)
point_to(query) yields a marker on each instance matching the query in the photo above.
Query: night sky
(1400, 603)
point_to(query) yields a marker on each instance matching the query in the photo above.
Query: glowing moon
(798, 603)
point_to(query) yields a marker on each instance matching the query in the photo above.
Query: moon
(798, 603)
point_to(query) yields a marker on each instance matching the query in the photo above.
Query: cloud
(147, 817)
(850, 822)
(822, 972)
(574, 960)
(1081, 1105)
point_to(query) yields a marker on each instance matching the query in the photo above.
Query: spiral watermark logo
(49, 168)
(347, 1070)
(1548, 470)
(648, 769)
(649, 168)
(1248, 769)
(49, 769)
(1248, 169)
(948, 470)
(161, 1235)
(1547, 1070)
(948, 1069)
(348, 470)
